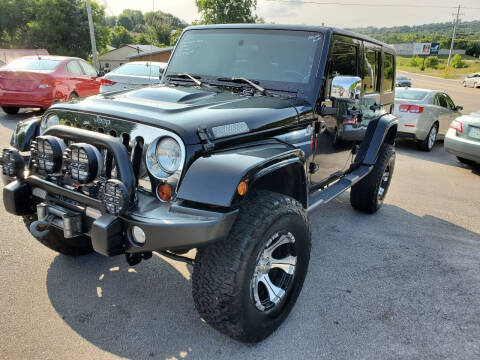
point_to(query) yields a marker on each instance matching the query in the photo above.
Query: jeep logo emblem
(102, 122)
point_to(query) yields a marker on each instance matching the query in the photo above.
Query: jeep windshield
(275, 59)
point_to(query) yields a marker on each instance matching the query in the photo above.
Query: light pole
(92, 36)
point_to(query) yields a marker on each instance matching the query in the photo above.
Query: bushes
(457, 62)
(432, 62)
(415, 61)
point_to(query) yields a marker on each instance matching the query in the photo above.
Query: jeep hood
(184, 110)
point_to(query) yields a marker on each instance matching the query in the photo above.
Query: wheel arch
(213, 180)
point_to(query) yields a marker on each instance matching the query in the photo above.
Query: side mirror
(458, 108)
(101, 73)
(346, 87)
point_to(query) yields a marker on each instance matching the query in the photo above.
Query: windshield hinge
(205, 140)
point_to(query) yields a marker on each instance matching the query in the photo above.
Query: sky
(415, 12)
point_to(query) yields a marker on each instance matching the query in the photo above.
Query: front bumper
(465, 148)
(166, 226)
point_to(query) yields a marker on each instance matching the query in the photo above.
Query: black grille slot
(137, 155)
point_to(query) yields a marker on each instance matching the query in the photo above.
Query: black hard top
(322, 29)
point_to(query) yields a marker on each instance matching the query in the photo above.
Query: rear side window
(450, 103)
(370, 70)
(440, 100)
(73, 67)
(33, 64)
(407, 94)
(343, 59)
(387, 81)
(88, 69)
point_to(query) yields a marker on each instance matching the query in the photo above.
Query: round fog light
(138, 235)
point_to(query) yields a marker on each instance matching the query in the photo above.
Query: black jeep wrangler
(251, 128)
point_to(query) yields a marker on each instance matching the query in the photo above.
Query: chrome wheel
(384, 183)
(274, 271)
(432, 137)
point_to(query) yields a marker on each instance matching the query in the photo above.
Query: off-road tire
(11, 110)
(364, 195)
(222, 274)
(77, 246)
(424, 144)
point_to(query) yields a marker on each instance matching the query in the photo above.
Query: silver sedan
(472, 80)
(424, 115)
(132, 75)
(463, 138)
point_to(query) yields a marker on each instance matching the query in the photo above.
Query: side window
(371, 65)
(450, 103)
(89, 70)
(441, 101)
(73, 67)
(387, 81)
(343, 59)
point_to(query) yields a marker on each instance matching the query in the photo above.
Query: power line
(368, 4)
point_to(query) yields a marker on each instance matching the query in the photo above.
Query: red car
(40, 81)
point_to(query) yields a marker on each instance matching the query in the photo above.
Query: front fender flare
(213, 179)
(24, 133)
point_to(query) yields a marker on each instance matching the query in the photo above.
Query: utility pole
(92, 36)
(455, 24)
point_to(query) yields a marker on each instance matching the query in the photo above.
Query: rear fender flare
(384, 131)
(213, 180)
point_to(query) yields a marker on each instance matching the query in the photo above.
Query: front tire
(11, 110)
(245, 285)
(54, 240)
(370, 192)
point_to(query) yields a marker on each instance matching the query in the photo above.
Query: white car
(132, 75)
(424, 115)
(472, 80)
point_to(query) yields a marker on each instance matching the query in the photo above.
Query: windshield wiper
(244, 81)
(185, 75)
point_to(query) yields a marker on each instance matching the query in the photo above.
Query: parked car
(132, 75)
(463, 138)
(403, 81)
(227, 155)
(472, 80)
(40, 81)
(424, 115)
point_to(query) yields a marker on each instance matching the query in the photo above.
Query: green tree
(125, 21)
(120, 37)
(135, 16)
(14, 16)
(174, 36)
(227, 11)
(142, 39)
(110, 21)
(415, 61)
(140, 28)
(61, 27)
(157, 28)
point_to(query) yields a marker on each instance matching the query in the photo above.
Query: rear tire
(370, 192)
(77, 246)
(230, 277)
(429, 142)
(11, 110)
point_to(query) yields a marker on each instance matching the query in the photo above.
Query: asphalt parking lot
(401, 284)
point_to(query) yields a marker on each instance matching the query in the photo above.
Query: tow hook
(41, 228)
(135, 258)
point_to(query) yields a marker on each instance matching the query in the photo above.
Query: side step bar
(323, 196)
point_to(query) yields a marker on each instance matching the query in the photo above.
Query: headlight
(164, 156)
(49, 121)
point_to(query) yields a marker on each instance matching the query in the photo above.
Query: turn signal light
(242, 188)
(457, 125)
(164, 192)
